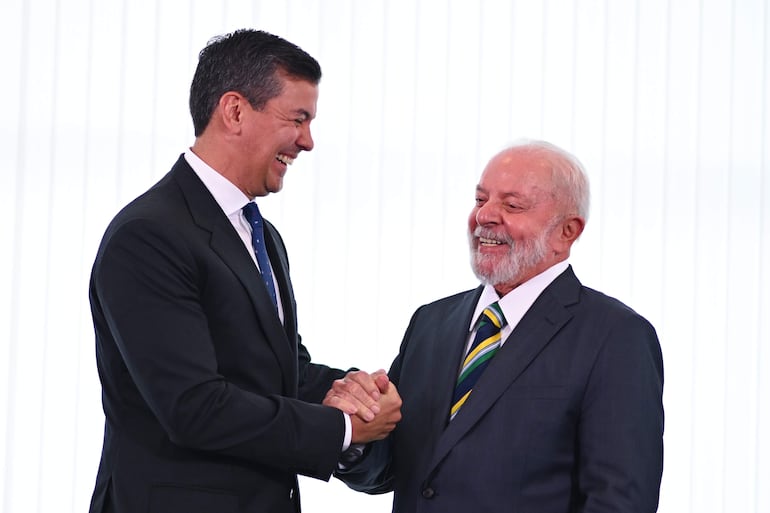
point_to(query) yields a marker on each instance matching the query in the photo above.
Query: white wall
(667, 102)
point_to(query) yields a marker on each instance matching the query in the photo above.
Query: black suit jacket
(207, 396)
(567, 418)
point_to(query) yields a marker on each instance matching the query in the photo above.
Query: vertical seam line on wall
(119, 165)
(49, 229)
(573, 94)
(543, 65)
(154, 109)
(348, 298)
(380, 173)
(634, 148)
(511, 75)
(698, 140)
(310, 305)
(15, 285)
(728, 236)
(602, 167)
(84, 224)
(480, 52)
(762, 242)
(413, 174)
(666, 148)
(447, 109)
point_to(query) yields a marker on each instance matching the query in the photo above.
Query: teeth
(285, 159)
(484, 240)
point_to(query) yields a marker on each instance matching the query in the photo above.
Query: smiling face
(270, 139)
(519, 226)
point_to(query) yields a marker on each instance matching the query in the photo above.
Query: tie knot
(251, 213)
(493, 314)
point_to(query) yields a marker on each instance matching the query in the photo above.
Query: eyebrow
(304, 114)
(513, 194)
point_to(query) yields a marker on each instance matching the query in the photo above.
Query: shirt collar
(229, 197)
(516, 303)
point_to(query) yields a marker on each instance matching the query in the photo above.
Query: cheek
(472, 220)
(556, 242)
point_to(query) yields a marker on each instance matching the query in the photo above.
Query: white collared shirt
(515, 303)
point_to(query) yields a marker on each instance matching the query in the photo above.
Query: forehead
(297, 96)
(517, 172)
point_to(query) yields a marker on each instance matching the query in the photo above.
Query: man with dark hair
(531, 393)
(211, 402)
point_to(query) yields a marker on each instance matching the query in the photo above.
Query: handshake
(371, 400)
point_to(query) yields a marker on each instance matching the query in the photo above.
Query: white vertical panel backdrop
(667, 102)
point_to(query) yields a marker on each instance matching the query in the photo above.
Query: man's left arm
(621, 426)
(314, 379)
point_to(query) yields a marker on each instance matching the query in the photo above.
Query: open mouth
(490, 242)
(284, 159)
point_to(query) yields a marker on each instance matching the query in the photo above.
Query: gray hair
(570, 181)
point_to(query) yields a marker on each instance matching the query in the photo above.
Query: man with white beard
(530, 393)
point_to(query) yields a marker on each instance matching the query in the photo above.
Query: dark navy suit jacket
(567, 418)
(204, 389)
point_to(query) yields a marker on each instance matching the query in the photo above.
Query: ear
(567, 232)
(230, 111)
(572, 228)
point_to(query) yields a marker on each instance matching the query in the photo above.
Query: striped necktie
(485, 345)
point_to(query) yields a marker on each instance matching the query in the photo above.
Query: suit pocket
(172, 498)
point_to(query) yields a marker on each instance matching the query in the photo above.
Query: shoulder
(596, 318)
(447, 309)
(453, 301)
(615, 331)
(588, 303)
(608, 306)
(154, 218)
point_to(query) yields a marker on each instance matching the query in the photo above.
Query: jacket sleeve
(373, 472)
(147, 288)
(620, 432)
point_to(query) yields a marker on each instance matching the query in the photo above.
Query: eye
(480, 201)
(302, 118)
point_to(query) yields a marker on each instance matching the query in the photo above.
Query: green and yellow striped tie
(485, 345)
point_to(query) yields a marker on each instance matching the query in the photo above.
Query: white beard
(523, 255)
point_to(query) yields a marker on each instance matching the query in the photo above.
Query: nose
(486, 214)
(305, 139)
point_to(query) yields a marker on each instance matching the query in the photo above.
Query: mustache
(486, 233)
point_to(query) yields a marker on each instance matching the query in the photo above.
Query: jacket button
(428, 493)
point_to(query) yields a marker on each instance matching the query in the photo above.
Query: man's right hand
(383, 422)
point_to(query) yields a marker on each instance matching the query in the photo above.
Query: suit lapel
(533, 333)
(280, 263)
(451, 338)
(226, 243)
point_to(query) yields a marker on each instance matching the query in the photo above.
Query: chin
(484, 267)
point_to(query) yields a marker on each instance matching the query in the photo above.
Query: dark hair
(248, 62)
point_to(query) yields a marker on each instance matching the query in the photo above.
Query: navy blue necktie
(251, 212)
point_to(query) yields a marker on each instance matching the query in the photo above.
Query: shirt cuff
(348, 433)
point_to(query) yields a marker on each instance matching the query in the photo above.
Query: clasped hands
(371, 400)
